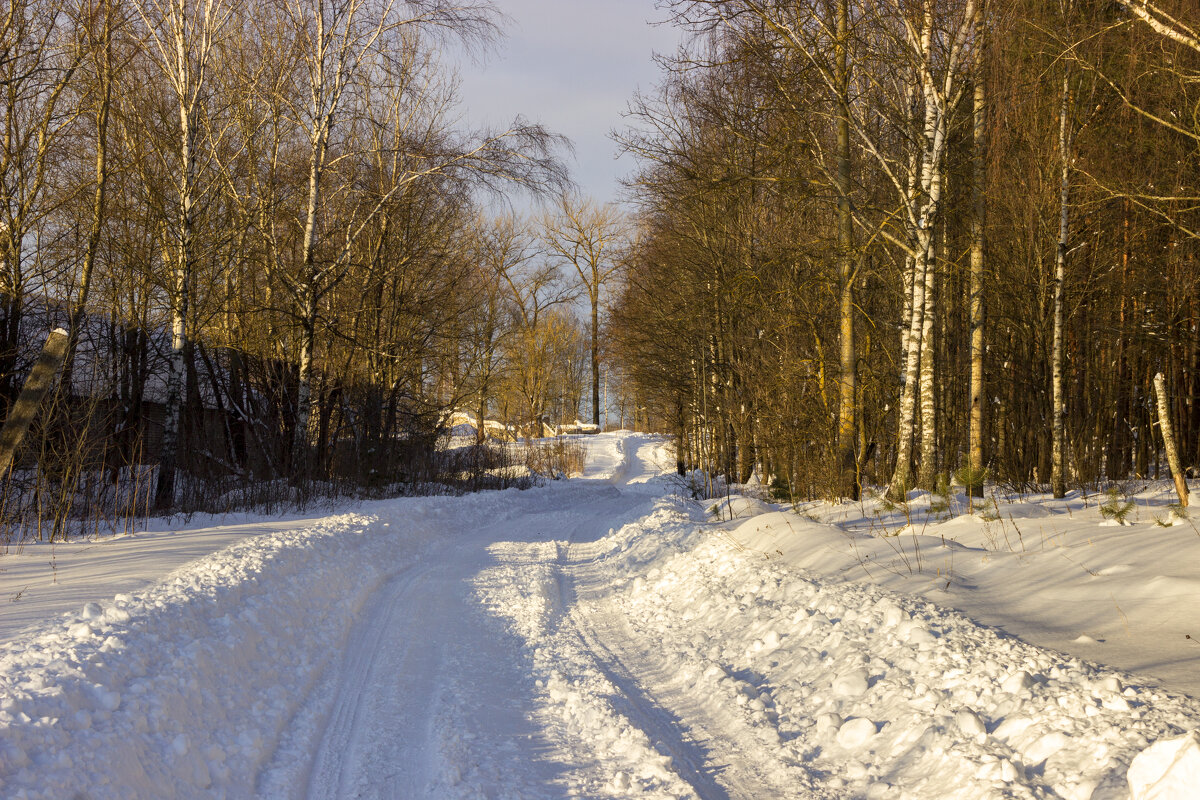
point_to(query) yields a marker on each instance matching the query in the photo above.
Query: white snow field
(602, 637)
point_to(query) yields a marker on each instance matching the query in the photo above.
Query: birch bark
(1066, 139)
(181, 39)
(939, 96)
(1168, 435)
(977, 321)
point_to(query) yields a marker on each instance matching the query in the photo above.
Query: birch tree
(935, 63)
(181, 43)
(1066, 147)
(346, 46)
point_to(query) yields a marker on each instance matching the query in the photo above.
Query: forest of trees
(882, 242)
(275, 249)
(908, 240)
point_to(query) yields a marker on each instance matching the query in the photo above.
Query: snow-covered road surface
(593, 638)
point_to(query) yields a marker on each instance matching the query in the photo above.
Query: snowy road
(595, 638)
(433, 696)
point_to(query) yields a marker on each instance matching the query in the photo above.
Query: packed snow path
(595, 638)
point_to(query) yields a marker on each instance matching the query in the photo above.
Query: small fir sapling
(971, 478)
(1175, 513)
(1116, 509)
(940, 501)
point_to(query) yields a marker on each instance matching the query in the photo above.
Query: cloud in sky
(572, 65)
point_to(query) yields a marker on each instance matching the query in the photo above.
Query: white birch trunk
(902, 477)
(1168, 435)
(978, 220)
(928, 461)
(164, 492)
(181, 41)
(1058, 432)
(923, 217)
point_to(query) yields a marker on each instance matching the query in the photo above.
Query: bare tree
(38, 60)
(592, 239)
(99, 22)
(181, 41)
(347, 47)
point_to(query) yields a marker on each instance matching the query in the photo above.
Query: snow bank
(1167, 770)
(184, 688)
(165, 692)
(1048, 570)
(838, 686)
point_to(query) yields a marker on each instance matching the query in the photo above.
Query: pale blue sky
(572, 65)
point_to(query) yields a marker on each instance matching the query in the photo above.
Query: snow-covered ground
(606, 637)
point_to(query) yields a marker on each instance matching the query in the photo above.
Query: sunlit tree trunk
(851, 479)
(181, 40)
(926, 475)
(938, 97)
(975, 460)
(1058, 430)
(1168, 434)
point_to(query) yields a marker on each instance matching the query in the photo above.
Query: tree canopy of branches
(956, 236)
(259, 222)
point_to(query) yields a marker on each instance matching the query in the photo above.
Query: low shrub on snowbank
(560, 457)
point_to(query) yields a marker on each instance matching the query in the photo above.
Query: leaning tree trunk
(1168, 435)
(17, 423)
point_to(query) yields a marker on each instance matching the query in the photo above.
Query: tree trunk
(850, 479)
(975, 460)
(308, 311)
(596, 353)
(164, 490)
(104, 67)
(1065, 142)
(902, 476)
(1168, 435)
(35, 388)
(927, 473)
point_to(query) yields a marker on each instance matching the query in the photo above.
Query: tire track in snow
(690, 758)
(358, 678)
(430, 698)
(643, 672)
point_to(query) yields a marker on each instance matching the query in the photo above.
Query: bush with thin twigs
(556, 458)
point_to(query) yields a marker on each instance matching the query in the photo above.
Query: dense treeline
(896, 240)
(263, 228)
